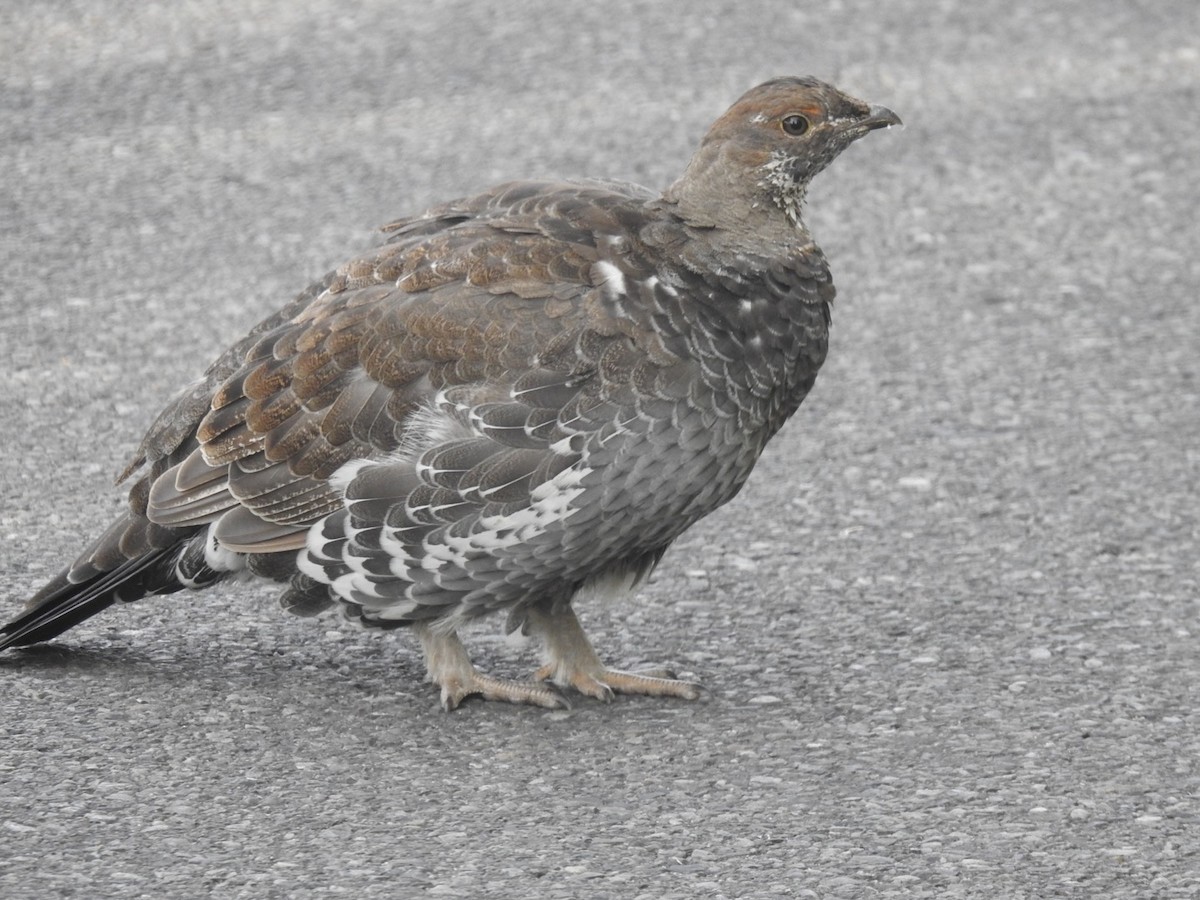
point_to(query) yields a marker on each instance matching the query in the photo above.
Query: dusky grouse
(521, 397)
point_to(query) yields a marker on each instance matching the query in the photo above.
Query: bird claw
(573, 663)
(605, 683)
(455, 690)
(451, 670)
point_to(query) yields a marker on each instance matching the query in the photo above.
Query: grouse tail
(128, 562)
(64, 603)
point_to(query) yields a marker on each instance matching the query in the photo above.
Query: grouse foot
(572, 662)
(451, 670)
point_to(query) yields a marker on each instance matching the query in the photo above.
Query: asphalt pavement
(948, 628)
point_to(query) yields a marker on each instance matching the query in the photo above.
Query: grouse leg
(450, 668)
(571, 660)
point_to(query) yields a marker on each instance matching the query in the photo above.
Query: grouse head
(753, 168)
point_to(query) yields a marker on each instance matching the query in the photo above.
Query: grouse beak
(878, 117)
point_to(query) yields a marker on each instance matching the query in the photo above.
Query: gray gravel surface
(949, 627)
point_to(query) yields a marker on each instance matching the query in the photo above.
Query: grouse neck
(760, 233)
(785, 190)
(761, 211)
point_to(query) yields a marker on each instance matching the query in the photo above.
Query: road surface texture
(949, 627)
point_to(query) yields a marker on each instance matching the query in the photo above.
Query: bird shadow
(63, 657)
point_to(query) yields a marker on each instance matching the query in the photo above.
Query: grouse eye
(795, 124)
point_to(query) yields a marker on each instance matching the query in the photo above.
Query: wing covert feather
(469, 294)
